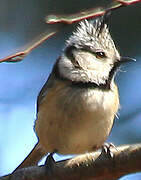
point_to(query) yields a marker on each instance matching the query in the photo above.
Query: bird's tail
(33, 158)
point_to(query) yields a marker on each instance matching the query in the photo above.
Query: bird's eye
(100, 54)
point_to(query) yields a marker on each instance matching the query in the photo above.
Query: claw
(106, 149)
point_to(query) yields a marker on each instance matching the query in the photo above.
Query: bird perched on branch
(77, 105)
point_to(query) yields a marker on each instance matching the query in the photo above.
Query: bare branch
(21, 54)
(127, 159)
(16, 57)
(90, 13)
(128, 2)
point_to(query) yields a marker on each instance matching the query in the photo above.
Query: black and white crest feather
(92, 33)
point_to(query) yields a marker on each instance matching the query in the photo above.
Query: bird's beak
(126, 59)
(123, 60)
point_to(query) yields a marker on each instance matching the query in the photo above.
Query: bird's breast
(75, 120)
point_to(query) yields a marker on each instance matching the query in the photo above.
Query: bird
(78, 103)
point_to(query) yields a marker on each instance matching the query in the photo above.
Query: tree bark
(91, 166)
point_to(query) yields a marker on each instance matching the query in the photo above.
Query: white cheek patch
(67, 69)
(91, 71)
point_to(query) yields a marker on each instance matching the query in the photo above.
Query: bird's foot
(50, 163)
(106, 149)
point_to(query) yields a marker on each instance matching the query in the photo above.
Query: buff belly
(76, 120)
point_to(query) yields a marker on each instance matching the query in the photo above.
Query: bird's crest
(92, 33)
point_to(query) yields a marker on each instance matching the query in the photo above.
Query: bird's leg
(50, 162)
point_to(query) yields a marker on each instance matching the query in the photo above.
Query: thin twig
(21, 54)
(90, 13)
(66, 19)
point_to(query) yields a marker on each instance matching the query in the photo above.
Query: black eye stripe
(69, 51)
(98, 54)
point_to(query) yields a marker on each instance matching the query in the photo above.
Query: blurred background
(22, 21)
